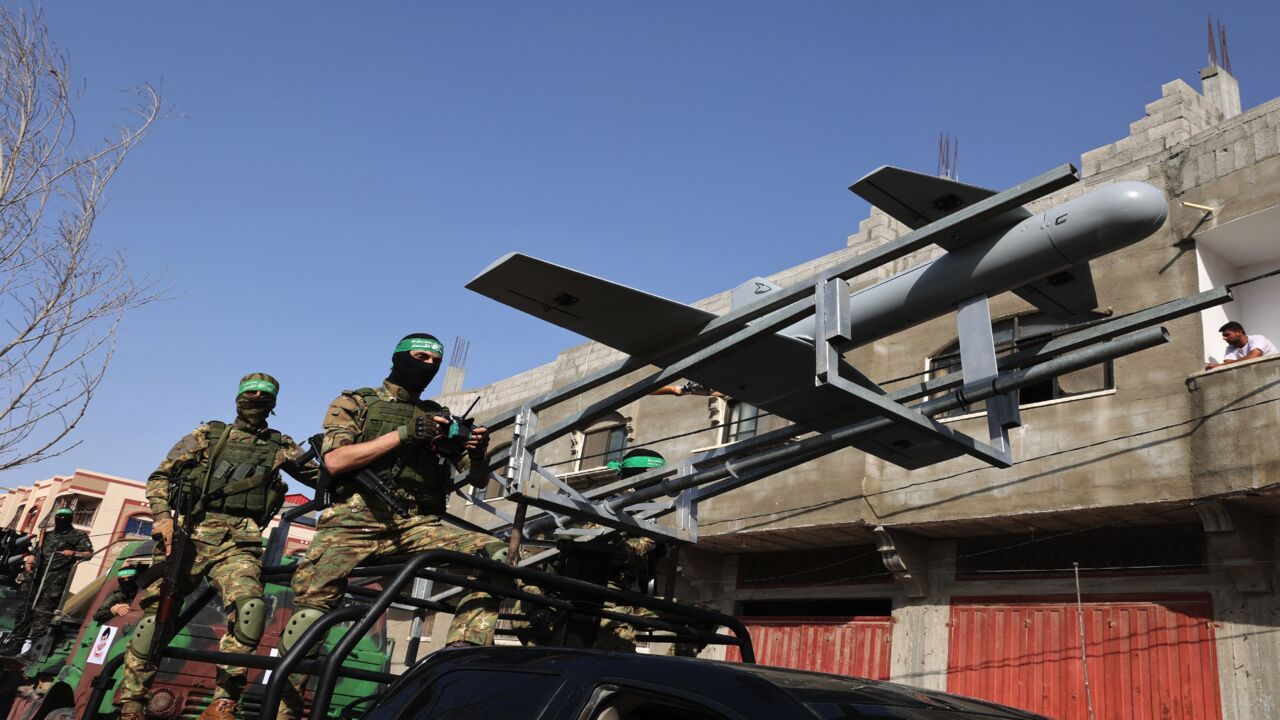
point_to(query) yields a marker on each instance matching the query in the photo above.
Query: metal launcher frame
(633, 506)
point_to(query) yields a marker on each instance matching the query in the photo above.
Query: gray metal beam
(1075, 340)
(814, 447)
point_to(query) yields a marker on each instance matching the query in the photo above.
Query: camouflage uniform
(615, 634)
(228, 551)
(354, 530)
(56, 571)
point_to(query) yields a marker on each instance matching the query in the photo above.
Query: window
(29, 524)
(138, 526)
(84, 509)
(613, 703)
(17, 516)
(743, 422)
(1234, 251)
(471, 695)
(1021, 333)
(603, 442)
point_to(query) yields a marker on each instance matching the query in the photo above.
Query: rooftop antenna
(1213, 48)
(455, 374)
(948, 156)
(1218, 53)
(1222, 46)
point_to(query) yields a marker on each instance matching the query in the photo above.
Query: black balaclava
(410, 374)
(253, 411)
(128, 585)
(62, 521)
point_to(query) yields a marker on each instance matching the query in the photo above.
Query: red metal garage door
(1149, 658)
(858, 646)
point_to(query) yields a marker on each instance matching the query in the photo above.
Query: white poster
(100, 646)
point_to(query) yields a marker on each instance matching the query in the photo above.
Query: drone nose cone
(1106, 219)
(1140, 209)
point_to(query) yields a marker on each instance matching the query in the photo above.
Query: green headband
(416, 343)
(127, 573)
(62, 511)
(252, 384)
(637, 461)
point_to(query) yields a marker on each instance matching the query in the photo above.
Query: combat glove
(162, 529)
(420, 429)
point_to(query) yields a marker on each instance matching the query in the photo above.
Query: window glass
(85, 510)
(629, 704)
(473, 695)
(13, 522)
(743, 421)
(1022, 333)
(602, 445)
(139, 525)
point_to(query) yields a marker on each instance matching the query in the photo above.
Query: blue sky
(335, 172)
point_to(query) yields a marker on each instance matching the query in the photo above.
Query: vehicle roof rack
(577, 606)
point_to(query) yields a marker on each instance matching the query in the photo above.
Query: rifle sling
(208, 470)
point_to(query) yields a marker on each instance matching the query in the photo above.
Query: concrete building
(1158, 482)
(110, 509)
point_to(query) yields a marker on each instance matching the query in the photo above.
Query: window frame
(1016, 341)
(607, 688)
(588, 461)
(729, 428)
(124, 531)
(73, 500)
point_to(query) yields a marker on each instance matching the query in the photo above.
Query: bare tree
(61, 297)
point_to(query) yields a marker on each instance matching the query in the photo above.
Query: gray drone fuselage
(1032, 247)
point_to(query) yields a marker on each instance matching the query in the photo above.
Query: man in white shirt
(1241, 346)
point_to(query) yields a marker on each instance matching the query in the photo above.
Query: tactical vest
(413, 471)
(242, 482)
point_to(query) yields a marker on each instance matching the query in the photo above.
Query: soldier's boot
(221, 709)
(132, 711)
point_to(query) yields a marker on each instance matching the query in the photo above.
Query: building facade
(1135, 534)
(110, 509)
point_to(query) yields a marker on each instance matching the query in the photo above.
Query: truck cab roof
(517, 683)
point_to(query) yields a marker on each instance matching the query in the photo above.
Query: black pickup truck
(512, 683)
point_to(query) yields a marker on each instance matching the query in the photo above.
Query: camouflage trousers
(228, 551)
(617, 635)
(349, 533)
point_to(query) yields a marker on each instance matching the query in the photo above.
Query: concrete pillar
(1248, 646)
(1222, 90)
(921, 627)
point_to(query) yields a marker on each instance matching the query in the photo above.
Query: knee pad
(251, 618)
(494, 551)
(143, 634)
(303, 618)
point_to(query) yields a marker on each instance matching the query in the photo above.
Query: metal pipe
(266, 662)
(1077, 339)
(810, 448)
(290, 661)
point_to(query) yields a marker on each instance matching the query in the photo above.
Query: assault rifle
(173, 572)
(367, 481)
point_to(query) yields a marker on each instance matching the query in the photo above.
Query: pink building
(110, 509)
